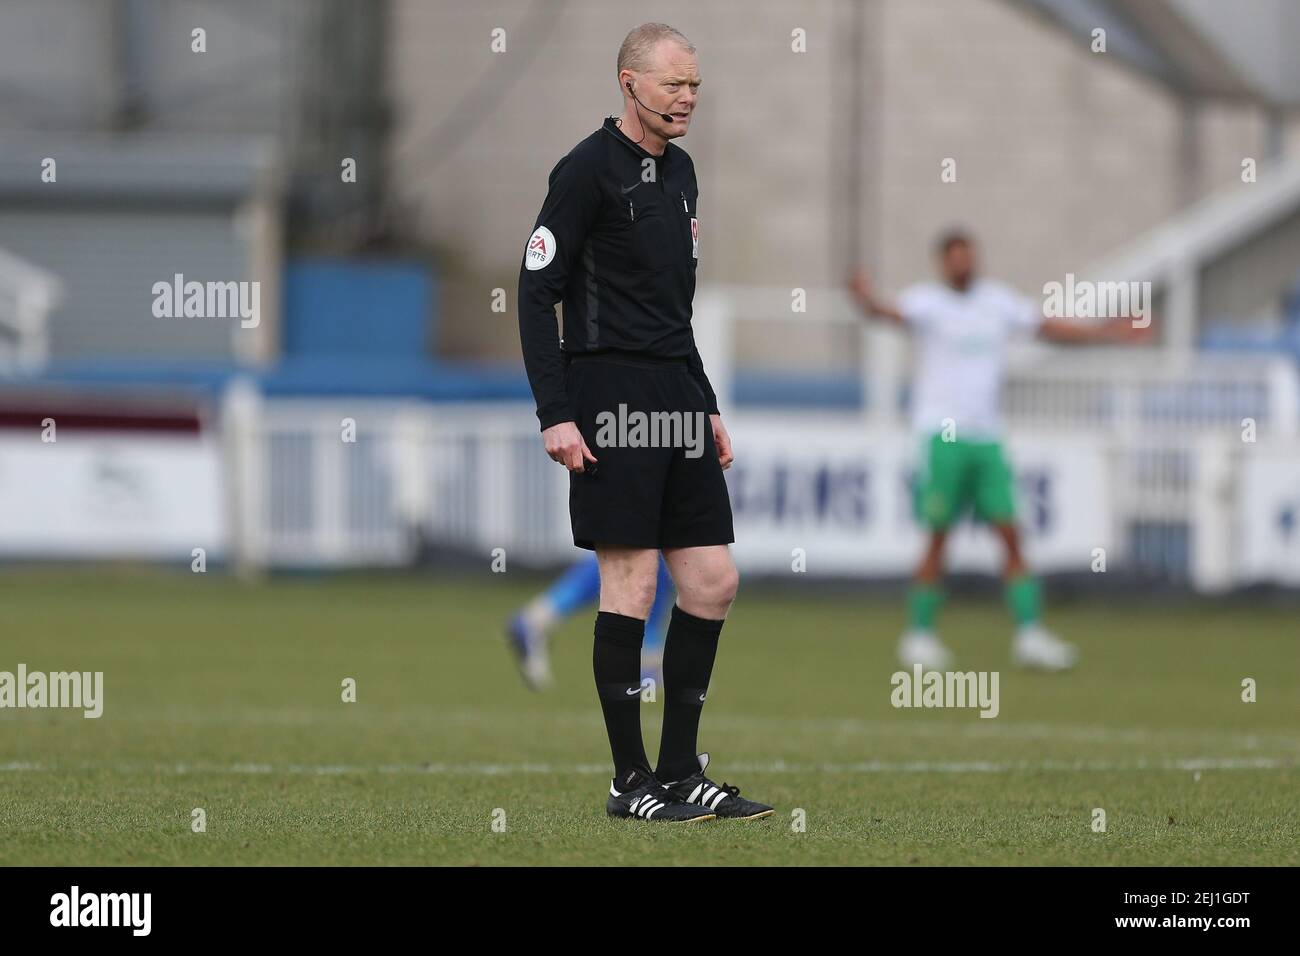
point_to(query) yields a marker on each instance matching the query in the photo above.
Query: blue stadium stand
(1227, 336)
(363, 328)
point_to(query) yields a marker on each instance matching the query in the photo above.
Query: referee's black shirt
(617, 243)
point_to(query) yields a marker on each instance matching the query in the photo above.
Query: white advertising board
(843, 495)
(1268, 516)
(99, 494)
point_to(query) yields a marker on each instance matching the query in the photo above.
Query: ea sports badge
(695, 237)
(541, 249)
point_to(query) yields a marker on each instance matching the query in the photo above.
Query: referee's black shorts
(644, 497)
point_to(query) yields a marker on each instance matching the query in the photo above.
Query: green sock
(1025, 598)
(923, 602)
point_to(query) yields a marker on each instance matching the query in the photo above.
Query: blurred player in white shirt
(963, 324)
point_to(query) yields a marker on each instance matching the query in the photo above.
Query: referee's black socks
(616, 662)
(689, 649)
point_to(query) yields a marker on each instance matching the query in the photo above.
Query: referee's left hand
(722, 440)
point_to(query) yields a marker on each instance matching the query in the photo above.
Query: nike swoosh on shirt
(634, 690)
(628, 189)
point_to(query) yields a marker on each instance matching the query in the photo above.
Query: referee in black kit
(617, 241)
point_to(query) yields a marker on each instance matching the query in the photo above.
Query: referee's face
(671, 85)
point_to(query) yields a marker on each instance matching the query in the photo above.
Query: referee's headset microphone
(666, 117)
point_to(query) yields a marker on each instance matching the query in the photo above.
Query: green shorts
(956, 475)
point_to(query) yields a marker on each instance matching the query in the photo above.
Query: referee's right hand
(564, 444)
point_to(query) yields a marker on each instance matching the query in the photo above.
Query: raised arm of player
(1118, 331)
(864, 296)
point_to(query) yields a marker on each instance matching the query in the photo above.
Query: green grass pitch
(226, 696)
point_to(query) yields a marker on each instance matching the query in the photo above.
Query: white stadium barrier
(1145, 455)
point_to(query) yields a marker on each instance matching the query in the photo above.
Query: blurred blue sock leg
(575, 588)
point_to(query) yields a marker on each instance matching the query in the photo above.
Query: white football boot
(528, 642)
(924, 648)
(1036, 648)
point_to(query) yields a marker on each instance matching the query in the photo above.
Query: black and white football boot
(637, 795)
(725, 801)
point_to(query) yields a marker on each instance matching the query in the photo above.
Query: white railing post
(27, 295)
(712, 324)
(1284, 396)
(1211, 519)
(329, 500)
(882, 374)
(408, 450)
(244, 438)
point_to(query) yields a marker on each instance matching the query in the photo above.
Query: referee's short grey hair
(634, 54)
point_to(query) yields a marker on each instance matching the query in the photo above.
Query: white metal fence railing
(330, 483)
(477, 480)
(472, 477)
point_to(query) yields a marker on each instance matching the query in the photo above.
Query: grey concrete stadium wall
(1061, 153)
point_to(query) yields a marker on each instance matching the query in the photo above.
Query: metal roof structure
(1197, 47)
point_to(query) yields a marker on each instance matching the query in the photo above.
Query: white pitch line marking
(769, 767)
(821, 726)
